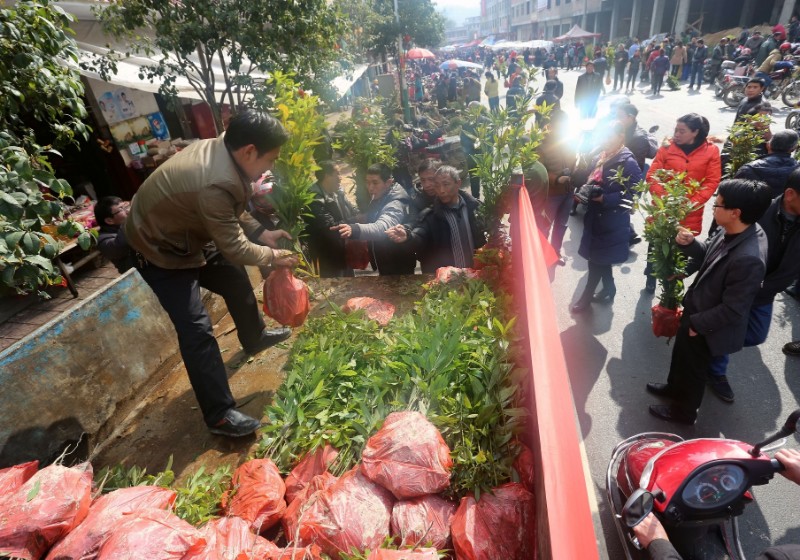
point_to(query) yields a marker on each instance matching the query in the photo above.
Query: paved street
(611, 353)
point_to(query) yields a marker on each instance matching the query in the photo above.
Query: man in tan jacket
(189, 229)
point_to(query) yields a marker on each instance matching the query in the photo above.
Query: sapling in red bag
(285, 297)
(356, 254)
(665, 321)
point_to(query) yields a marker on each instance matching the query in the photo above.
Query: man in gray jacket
(197, 197)
(717, 305)
(389, 207)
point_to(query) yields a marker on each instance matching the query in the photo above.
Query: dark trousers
(696, 75)
(494, 104)
(557, 209)
(658, 80)
(632, 73)
(619, 76)
(598, 273)
(757, 330)
(688, 369)
(178, 291)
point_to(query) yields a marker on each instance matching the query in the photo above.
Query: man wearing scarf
(448, 233)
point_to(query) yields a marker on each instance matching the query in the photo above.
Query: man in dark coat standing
(753, 91)
(449, 233)
(587, 92)
(330, 208)
(782, 228)
(774, 168)
(717, 304)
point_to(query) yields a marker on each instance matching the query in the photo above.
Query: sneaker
(720, 387)
(269, 337)
(792, 348)
(235, 424)
(791, 289)
(634, 239)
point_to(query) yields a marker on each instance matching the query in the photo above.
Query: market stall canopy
(488, 41)
(452, 64)
(343, 83)
(575, 34)
(472, 43)
(418, 53)
(448, 48)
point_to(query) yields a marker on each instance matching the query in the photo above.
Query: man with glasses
(717, 305)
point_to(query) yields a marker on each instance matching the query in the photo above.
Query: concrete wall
(71, 375)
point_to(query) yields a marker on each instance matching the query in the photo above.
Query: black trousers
(178, 291)
(688, 369)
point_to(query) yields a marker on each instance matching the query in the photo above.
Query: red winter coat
(702, 165)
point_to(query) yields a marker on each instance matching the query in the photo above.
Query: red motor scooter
(697, 488)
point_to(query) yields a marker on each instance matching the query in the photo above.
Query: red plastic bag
(285, 298)
(445, 274)
(86, 539)
(312, 552)
(375, 309)
(423, 521)
(14, 477)
(665, 321)
(291, 517)
(44, 509)
(230, 538)
(356, 254)
(407, 456)
(258, 494)
(524, 465)
(353, 512)
(500, 525)
(153, 534)
(311, 465)
(418, 554)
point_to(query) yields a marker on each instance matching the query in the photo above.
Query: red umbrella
(419, 53)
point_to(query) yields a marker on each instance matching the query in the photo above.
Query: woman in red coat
(690, 152)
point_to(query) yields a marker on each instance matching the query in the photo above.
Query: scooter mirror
(638, 506)
(653, 129)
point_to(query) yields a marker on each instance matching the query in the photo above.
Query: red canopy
(419, 53)
(575, 34)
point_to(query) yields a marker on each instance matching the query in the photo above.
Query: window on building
(549, 5)
(527, 8)
(558, 2)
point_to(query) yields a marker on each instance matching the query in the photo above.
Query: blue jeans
(696, 72)
(757, 330)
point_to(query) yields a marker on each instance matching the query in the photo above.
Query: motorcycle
(734, 93)
(729, 72)
(793, 120)
(696, 488)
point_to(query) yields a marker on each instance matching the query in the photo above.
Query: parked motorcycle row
(729, 82)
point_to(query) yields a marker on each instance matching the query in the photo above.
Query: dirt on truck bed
(165, 421)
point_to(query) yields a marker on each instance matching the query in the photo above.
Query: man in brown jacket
(195, 199)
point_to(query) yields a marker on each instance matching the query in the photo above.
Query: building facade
(523, 20)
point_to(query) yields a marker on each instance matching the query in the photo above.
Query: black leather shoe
(235, 424)
(269, 337)
(650, 284)
(581, 306)
(660, 389)
(605, 296)
(672, 414)
(720, 387)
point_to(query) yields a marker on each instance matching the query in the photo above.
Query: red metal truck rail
(565, 530)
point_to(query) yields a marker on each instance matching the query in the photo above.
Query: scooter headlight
(714, 487)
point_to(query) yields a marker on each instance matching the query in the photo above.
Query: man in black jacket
(716, 305)
(329, 209)
(752, 91)
(388, 208)
(448, 233)
(587, 92)
(636, 138)
(782, 228)
(776, 167)
(698, 61)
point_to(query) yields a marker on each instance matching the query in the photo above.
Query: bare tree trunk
(208, 80)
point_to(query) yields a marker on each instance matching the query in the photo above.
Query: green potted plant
(744, 139)
(663, 216)
(362, 139)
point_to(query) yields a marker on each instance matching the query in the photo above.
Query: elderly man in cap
(718, 55)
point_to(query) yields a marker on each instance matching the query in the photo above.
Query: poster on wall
(158, 126)
(123, 133)
(121, 103)
(108, 106)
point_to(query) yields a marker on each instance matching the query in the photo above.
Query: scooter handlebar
(777, 465)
